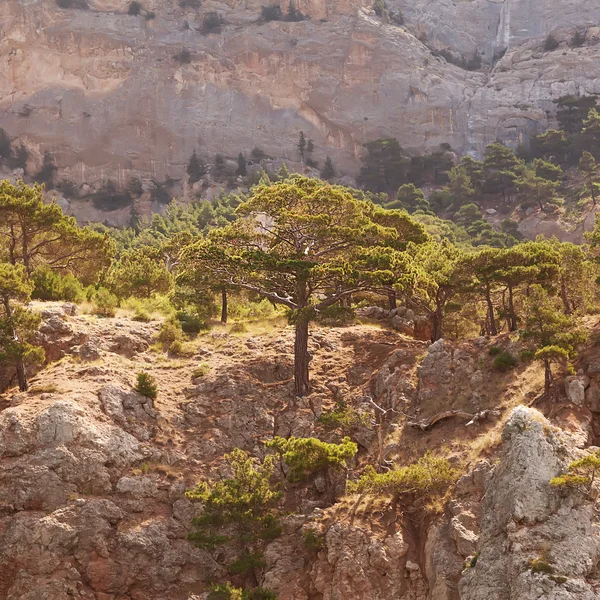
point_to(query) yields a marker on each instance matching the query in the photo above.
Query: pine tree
(591, 174)
(301, 144)
(410, 198)
(241, 168)
(196, 169)
(17, 325)
(328, 171)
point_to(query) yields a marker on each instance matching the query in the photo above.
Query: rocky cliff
(102, 91)
(93, 475)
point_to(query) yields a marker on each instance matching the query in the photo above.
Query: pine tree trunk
(19, 364)
(437, 325)
(492, 318)
(223, 306)
(301, 358)
(392, 303)
(547, 379)
(511, 310)
(565, 299)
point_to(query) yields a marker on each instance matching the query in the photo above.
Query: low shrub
(104, 303)
(343, 417)
(505, 361)
(305, 456)
(49, 285)
(247, 562)
(191, 323)
(170, 332)
(146, 385)
(313, 540)
(426, 479)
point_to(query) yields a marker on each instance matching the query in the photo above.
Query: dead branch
(472, 418)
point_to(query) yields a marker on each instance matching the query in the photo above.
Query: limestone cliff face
(101, 90)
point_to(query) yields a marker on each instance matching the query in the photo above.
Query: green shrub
(344, 417)
(142, 315)
(224, 592)
(505, 361)
(170, 332)
(305, 456)
(247, 562)
(238, 328)
(426, 479)
(245, 500)
(156, 304)
(200, 371)
(580, 474)
(49, 285)
(495, 350)
(104, 303)
(191, 323)
(313, 540)
(146, 385)
(537, 565)
(527, 355)
(259, 593)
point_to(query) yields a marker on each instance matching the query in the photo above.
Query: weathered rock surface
(524, 518)
(102, 91)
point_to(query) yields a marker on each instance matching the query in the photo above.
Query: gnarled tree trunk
(223, 305)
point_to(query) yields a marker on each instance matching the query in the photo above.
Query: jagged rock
(525, 518)
(575, 389)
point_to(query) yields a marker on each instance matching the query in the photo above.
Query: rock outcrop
(525, 519)
(102, 91)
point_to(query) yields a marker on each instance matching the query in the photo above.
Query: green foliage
(170, 332)
(17, 325)
(224, 592)
(35, 233)
(247, 562)
(581, 474)
(409, 198)
(505, 361)
(139, 273)
(343, 417)
(104, 303)
(539, 565)
(228, 592)
(306, 456)
(245, 500)
(313, 540)
(424, 480)
(146, 385)
(49, 285)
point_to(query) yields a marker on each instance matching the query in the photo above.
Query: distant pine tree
(328, 171)
(196, 169)
(241, 168)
